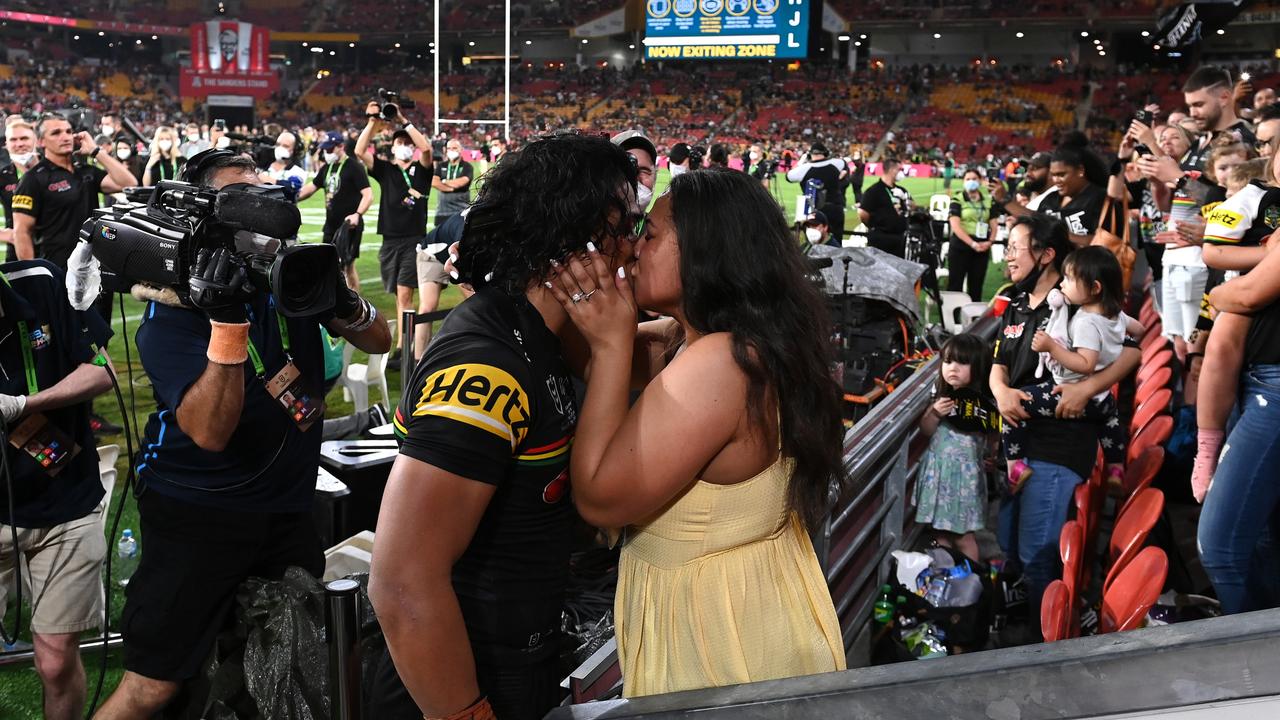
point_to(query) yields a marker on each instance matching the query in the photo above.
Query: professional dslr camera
(392, 104)
(154, 239)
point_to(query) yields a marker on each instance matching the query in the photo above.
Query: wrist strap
(228, 343)
(479, 710)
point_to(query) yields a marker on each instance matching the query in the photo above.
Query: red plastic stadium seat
(1157, 404)
(1140, 473)
(1156, 432)
(1131, 530)
(1135, 590)
(1055, 612)
(1071, 549)
(1154, 335)
(1155, 382)
(1150, 351)
(1158, 362)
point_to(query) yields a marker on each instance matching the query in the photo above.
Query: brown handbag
(1117, 244)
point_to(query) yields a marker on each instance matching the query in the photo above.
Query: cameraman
(226, 474)
(54, 199)
(402, 206)
(346, 200)
(819, 165)
(49, 352)
(884, 210)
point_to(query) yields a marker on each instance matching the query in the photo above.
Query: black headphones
(200, 162)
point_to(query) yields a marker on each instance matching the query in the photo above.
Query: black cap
(1040, 160)
(819, 149)
(635, 139)
(816, 217)
(679, 153)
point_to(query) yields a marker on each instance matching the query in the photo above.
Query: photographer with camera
(347, 196)
(885, 208)
(452, 182)
(819, 165)
(402, 205)
(51, 361)
(56, 196)
(229, 459)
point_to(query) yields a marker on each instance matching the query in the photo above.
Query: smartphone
(1245, 77)
(220, 124)
(1146, 117)
(1142, 150)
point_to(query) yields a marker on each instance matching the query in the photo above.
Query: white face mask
(402, 153)
(643, 197)
(22, 158)
(755, 156)
(331, 157)
(223, 143)
(164, 145)
(813, 234)
(124, 153)
(108, 130)
(902, 175)
(970, 185)
(283, 153)
(452, 155)
(193, 136)
(678, 170)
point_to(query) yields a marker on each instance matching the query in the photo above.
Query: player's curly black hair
(544, 203)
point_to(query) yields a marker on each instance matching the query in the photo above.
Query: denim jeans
(1242, 506)
(1030, 524)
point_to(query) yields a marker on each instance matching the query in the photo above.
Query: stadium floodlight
(351, 45)
(471, 43)
(1084, 33)
(1102, 53)
(1146, 33)
(937, 36)
(843, 38)
(1019, 34)
(585, 41)
(530, 42)
(857, 43)
(1222, 31)
(863, 36)
(155, 37)
(101, 34)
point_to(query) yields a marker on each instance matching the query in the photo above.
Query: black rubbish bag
(274, 662)
(344, 242)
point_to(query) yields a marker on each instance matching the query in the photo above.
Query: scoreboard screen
(726, 29)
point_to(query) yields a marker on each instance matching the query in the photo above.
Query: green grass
(19, 686)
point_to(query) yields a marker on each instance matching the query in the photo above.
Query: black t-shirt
(453, 202)
(61, 339)
(9, 178)
(269, 465)
(60, 201)
(1081, 214)
(1262, 344)
(973, 412)
(1073, 444)
(887, 209)
(341, 184)
(398, 214)
(492, 401)
(827, 171)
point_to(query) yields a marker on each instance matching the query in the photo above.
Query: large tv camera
(392, 103)
(153, 240)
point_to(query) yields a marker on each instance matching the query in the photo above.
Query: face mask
(813, 234)
(970, 185)
(902, 175)
(1028, 284)
(643, 197)
(22, 158)
(755, 156)
(403, 153)
(193, 136)
(282, 153)
(331, 157)
(452, 155)
(108, 130)
(678, 170)
(223, 143)
(124, 153)
(165, 145)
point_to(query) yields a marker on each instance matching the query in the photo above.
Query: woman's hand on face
(600, 303)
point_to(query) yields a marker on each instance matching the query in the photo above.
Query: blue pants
(1030, 524)
(1242, 509)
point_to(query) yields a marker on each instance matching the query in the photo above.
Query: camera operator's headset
(200, 162)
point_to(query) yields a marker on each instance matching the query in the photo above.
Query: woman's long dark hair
(742, 273)
(543, 203)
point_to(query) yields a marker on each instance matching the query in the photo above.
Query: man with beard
(1208, 96)
(1036, 184)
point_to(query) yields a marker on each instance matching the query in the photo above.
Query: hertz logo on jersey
(481, 396)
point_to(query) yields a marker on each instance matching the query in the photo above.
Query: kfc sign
(230, 47)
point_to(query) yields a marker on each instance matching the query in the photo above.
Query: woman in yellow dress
(725, 462)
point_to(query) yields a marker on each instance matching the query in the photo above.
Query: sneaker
(378, 416)
(102, 426)
(1019, 472)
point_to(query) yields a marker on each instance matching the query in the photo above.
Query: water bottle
(126, 557)
(883, 613)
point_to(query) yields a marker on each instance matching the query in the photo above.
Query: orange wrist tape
(228, 343)
(480, 710)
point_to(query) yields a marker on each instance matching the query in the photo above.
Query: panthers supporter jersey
(1246, 218)
(492, 401)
